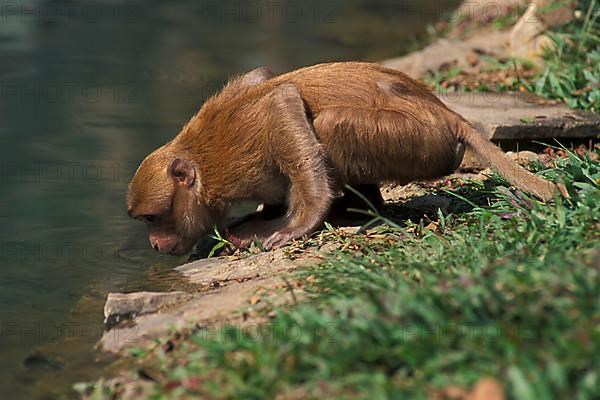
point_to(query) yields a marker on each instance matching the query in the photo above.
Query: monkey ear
(183, 172)
(256, 76)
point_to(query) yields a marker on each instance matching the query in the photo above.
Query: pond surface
(87, 89)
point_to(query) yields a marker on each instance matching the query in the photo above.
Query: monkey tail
(495, 158)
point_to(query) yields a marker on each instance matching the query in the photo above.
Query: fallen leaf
(432, 226)
(454, 392)
(487, 389)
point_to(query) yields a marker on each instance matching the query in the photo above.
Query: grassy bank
(498, 286)
(570, 72)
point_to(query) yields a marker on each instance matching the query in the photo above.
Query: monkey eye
(149, 218)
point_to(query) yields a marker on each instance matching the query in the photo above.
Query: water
(87, 90)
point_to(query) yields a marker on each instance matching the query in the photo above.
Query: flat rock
(446, 53)
(130, 305)
(222, 271)
(229, 286)
(517, 116)
(525, 39)
(201, 309)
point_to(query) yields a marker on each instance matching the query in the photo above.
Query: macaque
(296, 140)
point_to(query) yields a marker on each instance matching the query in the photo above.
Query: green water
(87, 90)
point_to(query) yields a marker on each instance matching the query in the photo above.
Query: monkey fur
(296, 140)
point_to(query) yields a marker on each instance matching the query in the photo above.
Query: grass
(500, 286)
(571, 72)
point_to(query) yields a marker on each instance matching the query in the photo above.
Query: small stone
(523, 157)
(454, 392)
(472, 58)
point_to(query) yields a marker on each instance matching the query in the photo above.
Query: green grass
(572, 72)
(501, 286)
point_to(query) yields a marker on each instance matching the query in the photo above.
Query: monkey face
(164, 193)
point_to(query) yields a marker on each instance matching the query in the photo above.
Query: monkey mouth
(176, 251)
(181, 249)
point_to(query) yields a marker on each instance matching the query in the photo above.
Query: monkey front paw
(278, 239)
(233, 239)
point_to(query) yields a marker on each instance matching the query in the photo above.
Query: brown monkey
(296, 139)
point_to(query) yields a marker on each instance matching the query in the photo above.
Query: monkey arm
(302, 160)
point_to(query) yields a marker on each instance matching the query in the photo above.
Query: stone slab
(226, 286)
(120, 306)
(518, 116)
(446, 53)
(222, 271)
(199, 309)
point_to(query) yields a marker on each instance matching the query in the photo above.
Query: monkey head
(165, 194)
